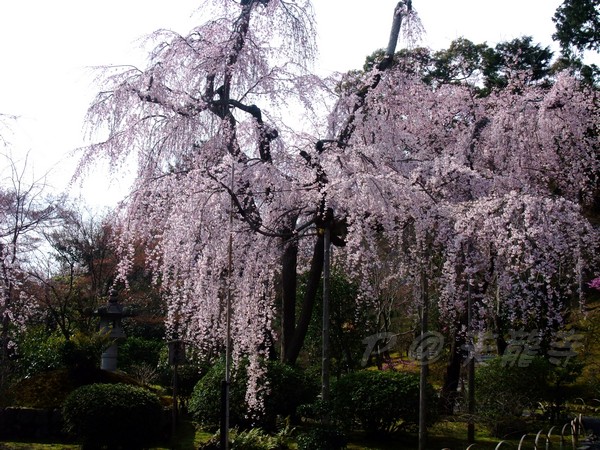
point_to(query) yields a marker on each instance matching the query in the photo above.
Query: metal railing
(568, 438)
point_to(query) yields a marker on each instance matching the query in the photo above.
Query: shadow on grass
(450, 435)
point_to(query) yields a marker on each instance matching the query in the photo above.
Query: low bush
(50, 389)
(253, 439)
(504, 392)
(289, 387)
(136, 351)
(378, 401)
(83, 351)
(117, 415)
(41, 352)
(322, 439)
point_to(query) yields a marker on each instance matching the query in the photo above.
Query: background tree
(482, 67)
(77, 272)
(25, 210)
(578, 30)
(578, 26)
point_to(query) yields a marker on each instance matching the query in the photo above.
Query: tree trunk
(452, 377)
(294, 345)
(289, 286)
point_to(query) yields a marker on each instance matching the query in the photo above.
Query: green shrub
(322, 439)
(83, 351)
(39, 352)
(205, 402)
(117, 415)
(188, 374)
(49, 389)
(378, 401)
(253, 439)
(504, 392)
(136, 351)
(289, 388)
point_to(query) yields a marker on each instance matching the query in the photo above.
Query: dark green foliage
(504, 392)
(561, 387)
(135, 351)
(378, 401)
(460, 62)
(254, 439)
(577, 30)
(39, 352)
(488, 68)
(322, 439)
(480, 66)
(83, 351)
(289, 388)
(578, 25)
(205, 403)
(117, 415)
(349, 324)
(49, 389)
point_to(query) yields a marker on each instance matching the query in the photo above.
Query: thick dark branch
(289, 285)
(475, 136)
(266, 134)
(346, 132)
(373, 81)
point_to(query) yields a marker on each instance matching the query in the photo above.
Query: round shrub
(503, 392)
(118, 415)
(205, 402)
(289, 387)
(378, 401)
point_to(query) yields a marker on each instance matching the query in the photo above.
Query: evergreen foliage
(118, 415)
(378, 401)
(286, 388)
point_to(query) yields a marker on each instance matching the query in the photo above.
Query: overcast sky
(48, 47)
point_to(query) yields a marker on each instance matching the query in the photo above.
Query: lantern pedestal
(110, 324)
(109, 358)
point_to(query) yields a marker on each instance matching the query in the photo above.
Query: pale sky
(48, 47)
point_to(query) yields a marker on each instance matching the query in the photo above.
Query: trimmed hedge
(117, 415)
(378, 401)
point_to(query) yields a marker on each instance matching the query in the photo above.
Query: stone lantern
(110, 324)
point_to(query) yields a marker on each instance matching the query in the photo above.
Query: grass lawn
(450, 435)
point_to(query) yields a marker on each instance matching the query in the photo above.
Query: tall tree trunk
(289, 286)
(292, 341)
(452, 376)
(294, 345)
